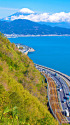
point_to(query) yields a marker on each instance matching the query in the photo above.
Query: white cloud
(59, 17)
(43, 17)
(17, 17)
(26, 10)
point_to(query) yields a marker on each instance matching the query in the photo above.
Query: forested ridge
(27, 27)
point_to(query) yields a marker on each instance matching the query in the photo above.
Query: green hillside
(22, 89)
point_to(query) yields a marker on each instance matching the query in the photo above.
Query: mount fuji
(28, 22)
(21, 14)
(61, 19)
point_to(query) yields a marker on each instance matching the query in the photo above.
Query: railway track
(54, 101)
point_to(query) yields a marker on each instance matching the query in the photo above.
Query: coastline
(62, 75)
(24, 49)
(17, 35)
(53, 70)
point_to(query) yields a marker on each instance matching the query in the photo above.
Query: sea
(50, 51)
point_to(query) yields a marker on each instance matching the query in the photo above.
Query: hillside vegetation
(22, 89)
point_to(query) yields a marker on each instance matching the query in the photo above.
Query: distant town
(22, 35)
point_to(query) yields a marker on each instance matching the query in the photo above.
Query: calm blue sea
(50, 51)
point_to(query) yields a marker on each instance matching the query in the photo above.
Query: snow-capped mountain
(21, 14)
(61, 19)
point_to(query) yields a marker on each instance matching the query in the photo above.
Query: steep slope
(22, 89)
(27, 27)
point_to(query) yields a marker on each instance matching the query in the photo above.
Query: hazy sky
(8, 7)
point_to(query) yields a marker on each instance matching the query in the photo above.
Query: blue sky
(8, 7)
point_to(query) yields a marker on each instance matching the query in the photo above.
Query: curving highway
(62, 82)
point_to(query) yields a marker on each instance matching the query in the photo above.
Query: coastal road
(62, 82)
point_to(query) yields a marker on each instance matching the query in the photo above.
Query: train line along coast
(58, 90)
